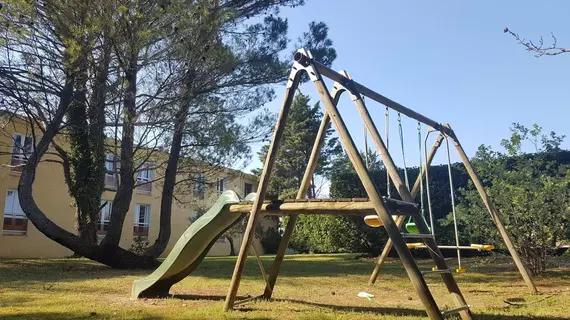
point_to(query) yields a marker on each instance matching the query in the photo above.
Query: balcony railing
(15, 225)
(140, 231)
(144, 187)
(110, 181)
(17, 163)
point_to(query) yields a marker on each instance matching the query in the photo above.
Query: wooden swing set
(382, 207)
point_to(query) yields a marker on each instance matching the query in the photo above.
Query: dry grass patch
(310, 287)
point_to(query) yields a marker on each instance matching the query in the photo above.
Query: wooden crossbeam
(356, 206)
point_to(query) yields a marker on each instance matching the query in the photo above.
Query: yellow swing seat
(375, 222)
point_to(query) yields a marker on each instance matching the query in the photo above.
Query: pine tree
(295, 149)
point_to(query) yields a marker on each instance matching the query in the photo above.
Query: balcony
(111, 181)
(15, 226)
(17, 164)
(144, 187)
(140, 230)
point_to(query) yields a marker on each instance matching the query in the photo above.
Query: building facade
(20, 239)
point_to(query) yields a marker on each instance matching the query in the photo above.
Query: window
(15, 221)
(111, 166)
(142, 218)
(144, 178)
(104, 217)
(21, 150)
(221, 185)
(247, 189)
(200, 186)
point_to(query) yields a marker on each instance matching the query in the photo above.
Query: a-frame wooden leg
(494, 214)
(433, 249)
(400, 221)
(304, 187)
(262, 189)
(407, 260)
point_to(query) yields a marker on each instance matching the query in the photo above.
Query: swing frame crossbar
(344, 83)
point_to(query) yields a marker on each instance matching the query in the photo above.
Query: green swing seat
(412, 228)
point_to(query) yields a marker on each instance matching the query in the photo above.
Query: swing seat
(375, 222)
(483, 247)
(412, 228)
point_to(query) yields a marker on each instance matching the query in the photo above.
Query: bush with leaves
(139, 245)
(530, 190)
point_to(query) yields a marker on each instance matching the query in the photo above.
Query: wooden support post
(493, 212)
(387, 160)
(434, 251)
(400, 221)
(305, 184)
(292, 86)
(407, 260)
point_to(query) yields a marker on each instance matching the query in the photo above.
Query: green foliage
(295, 149)
(346, 184)
(324, 234)
(185, 76)
(530, 191)
(270, 237)
(342, 234)
(312, 233)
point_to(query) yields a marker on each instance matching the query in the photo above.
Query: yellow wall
(51, 195)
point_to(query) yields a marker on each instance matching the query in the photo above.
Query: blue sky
(448, 60)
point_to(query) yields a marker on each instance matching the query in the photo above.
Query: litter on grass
(366, 295)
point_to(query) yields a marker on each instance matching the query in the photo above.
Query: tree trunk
(169, 182)
(80, 154)
(232, 249)
(124, 194)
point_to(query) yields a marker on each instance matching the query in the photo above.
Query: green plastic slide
(191, 248)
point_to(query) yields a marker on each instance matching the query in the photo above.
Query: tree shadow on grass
(378, 311)
(78, 316)
(63, 316)
(203, 297)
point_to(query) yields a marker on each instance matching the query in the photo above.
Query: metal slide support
(292, 85)
(407, 260)
(305, 184)
(400, 220)
(493, 212)
(434, 251)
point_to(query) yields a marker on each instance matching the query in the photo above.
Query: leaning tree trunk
(232, 249)
(169, 181)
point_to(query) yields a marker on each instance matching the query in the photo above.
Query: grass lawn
(310, 287)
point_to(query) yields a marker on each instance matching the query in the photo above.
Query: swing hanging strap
(452, 194)
(428, 195)
(410, 226)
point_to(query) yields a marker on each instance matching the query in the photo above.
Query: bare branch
(539, 49)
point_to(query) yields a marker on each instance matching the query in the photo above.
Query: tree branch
(539, 49)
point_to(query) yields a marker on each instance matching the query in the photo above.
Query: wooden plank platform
(339, 206)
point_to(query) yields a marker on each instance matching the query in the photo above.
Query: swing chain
(422, 207)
